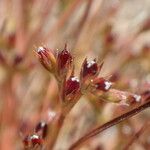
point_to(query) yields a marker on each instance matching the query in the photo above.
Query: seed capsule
(64, 60)
(72, 85)
(72, 88)
(90, 68)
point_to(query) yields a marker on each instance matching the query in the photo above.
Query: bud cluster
(62, 66)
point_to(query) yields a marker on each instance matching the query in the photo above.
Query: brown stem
(109, 124)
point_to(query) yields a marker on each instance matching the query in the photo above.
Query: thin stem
(109, 124)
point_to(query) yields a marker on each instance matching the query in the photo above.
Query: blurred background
(114, 31)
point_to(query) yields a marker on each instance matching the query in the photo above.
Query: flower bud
(72, 88)
(46, 58)
(64, 60)
(89, 68)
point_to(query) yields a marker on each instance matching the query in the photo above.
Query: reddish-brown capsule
(72, 88)
(64, 60)
(90, 68)
(41, 127)
(102, 84)
(72, 85)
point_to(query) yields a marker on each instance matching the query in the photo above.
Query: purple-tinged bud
(72, 87)
(46, 58)
(64, 60)
(90, 68)
(41, 127)
(102, 84)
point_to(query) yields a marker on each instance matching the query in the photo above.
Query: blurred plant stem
(137, 135)
(109, 124)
